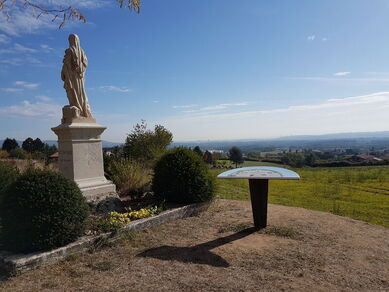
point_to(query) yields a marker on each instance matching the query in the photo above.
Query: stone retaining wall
(12, 264)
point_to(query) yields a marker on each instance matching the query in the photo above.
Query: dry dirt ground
(300, 250)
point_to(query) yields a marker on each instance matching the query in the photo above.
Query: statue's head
(74, 40)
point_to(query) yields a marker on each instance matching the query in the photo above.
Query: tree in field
(310, 159)
(9, 144)
(55, 11)
(198, 151)
(293, 159)
(235, 155)
(146, 145)
(208, 158)
(28, 145)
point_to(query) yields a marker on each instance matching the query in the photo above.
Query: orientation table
(259, 177)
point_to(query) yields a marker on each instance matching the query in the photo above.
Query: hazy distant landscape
(365, 140)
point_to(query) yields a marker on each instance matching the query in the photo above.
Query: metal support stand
(259, 194)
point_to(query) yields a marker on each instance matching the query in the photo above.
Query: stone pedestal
(81, 157)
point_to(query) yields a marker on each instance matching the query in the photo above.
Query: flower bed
(113, 221)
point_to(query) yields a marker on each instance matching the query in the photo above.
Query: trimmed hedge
(181, 176)
(41, 210)
(8, 174)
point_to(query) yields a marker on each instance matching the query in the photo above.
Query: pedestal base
(81, 157)
(97, 189)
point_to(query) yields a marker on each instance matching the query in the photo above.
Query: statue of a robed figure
(73, 76)
(79, 142)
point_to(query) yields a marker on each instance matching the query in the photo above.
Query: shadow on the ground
(198, 254)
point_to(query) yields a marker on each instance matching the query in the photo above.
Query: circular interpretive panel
(260, 172)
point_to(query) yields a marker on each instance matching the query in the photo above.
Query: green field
(358, 192)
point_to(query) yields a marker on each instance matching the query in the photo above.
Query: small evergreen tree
(28, 145)
(37, 145)
(198, 151)
(9, 144)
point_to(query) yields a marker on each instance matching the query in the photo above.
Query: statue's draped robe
(73, 70)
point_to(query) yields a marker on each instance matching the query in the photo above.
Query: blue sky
(206, 70)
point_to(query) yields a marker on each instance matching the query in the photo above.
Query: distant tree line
(30, 149)
(234, 155)
(311, 158)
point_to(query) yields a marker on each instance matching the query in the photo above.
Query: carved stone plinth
(81, 157)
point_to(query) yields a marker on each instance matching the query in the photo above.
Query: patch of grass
(102, 266)
(73, 271)
(235, 228)
(281, 231)
(73, 257)
(49, 285)
(100, 244)
(361, 193)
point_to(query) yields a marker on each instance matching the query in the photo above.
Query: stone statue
(73, 71)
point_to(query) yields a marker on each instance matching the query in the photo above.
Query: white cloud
(218, 107)
(213, 107)
(46, 48)
(17, 49)
(350, 80)
(32, 110)
(342, 73)
(22, 86)
(324, 39)
(22, 49)
(12, 61)
(27, 85)
(11, 89)
(352, 114)
(23, 22)
(185, 106)
(17, 61)
(86, 4)
(234, 104)
(115, 88)
(209, 108)
(155, 101)
(43, 98)
(4, 39)
(311, 38)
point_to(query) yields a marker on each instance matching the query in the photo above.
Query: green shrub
(8, 174)
(3, 154)
(19, 153)
(181, 176)
(41, 210)
(38, 155)
(130, 177)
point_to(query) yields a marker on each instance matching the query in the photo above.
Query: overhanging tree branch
(60, 12)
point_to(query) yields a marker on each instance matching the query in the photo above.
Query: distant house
(216, 151)
(364, 158)
(54, 157)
